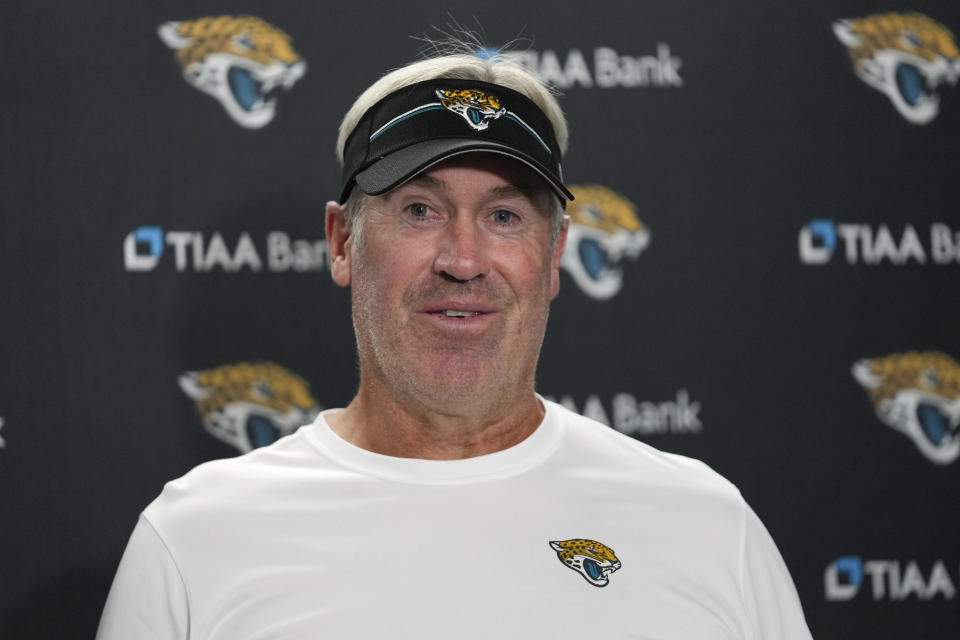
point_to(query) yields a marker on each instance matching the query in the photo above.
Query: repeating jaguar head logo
(243, 62)
(604, 232)
(908, 57)
(476, 107)
(591, 559)
(250, 405)
(918, 394)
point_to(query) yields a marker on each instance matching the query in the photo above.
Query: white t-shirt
(576, 532)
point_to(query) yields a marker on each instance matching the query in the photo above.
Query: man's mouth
(458, 308)
(460, 316)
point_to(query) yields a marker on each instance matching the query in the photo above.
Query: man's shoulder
(230, 483)
(630, 459)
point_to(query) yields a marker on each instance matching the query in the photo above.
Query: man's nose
(463, 253)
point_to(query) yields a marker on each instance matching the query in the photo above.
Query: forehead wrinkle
(528, 191)
(504, 190)
(421, 180)
(427, 180)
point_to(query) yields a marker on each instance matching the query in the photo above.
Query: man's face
(453, 280)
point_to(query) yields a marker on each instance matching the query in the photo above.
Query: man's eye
(504, 217)
(418, 209)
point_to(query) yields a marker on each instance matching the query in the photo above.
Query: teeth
(459, 314)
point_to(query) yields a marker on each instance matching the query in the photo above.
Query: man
(448, 499)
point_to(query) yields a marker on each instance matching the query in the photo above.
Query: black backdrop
(739, 125)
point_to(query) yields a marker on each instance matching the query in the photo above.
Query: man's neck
(376, 421)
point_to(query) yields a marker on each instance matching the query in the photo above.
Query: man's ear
(338, 233)
(557, 255)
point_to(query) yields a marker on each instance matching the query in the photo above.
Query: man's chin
(455, 385)
(458, 389)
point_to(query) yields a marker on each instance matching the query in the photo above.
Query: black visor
(422, 124)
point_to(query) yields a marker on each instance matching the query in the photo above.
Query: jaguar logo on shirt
(591, 559)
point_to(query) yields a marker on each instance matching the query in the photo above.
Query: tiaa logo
(917, 394)
(604, 233)
(888, 580)
(250, 405)
(906, 56)
(242, 61)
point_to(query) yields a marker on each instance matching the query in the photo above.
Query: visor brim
(396, 168)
